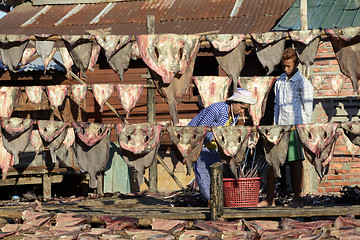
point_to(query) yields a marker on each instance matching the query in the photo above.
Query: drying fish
(65, 152)
(352, 131)
(138, 138)
(11, 49)
(352, 148)
(29, 51)
(317, 81)
(212, 89)
(53, 134)
(80, 50)
(319, 141)
(269, 48)
(139, 144)
(78, 92)
(15, 134)
(129, 94)
(111, 43)
(92, 147)
(174, 91)
(120, 61)
(34, 93)
(56, 94)
(168, 54)
(95, 51)
(306, 44)
(90, 133)
(8, 99)
(229, 52)
(260, 88)
(102, 92)
(66, 58)
(276, 143)
(225, 42)
(46, 50)
(337, 82)
(6, 160)
(35, 141)
(189, 141)
(346, 46)
(233, 142)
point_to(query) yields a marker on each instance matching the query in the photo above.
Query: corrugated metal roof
(129, 17)
(323, 14)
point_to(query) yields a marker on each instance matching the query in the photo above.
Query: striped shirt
(293, 100)
(216, 114)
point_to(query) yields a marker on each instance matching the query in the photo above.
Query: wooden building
(60, 17)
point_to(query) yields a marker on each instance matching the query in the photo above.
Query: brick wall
(344, 169)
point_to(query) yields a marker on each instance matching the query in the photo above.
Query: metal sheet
(129, 17)
(116, 176)
(322, 14)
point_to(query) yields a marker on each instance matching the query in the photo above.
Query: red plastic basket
(241, 192)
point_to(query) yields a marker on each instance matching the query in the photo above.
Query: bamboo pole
(161, 161)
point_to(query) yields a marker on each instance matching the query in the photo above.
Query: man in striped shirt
(293, 106)
(217, 114)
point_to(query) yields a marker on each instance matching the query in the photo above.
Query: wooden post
(306, 184)
(216, 191)
(151, 111)
(303, 15)
(46, 186)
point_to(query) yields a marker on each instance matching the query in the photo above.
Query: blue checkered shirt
(216, 114)
(293, 100)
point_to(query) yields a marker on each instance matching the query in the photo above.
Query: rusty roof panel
(171, 16)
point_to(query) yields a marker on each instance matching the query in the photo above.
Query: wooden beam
(25, 180)
(151, 110)
(216, 191)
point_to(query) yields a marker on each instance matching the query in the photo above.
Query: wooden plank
(30, 180)
(278, 212)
